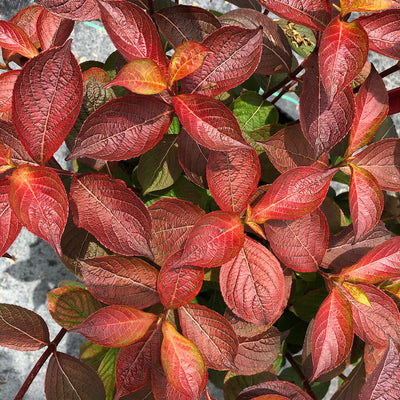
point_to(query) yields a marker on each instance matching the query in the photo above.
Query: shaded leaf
(14, 38)
(78, 10)
(106, 372)
(354, 382)
(394, 101)
(7, 82)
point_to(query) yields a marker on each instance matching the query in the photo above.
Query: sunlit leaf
(78, 10)
(14, 38)
(348, 6)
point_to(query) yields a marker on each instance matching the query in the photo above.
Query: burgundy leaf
(342, 54)
(38, 198)
(182, 23)
(178, 284)
(383, 31)
(312, 13)
(69, 378)
(232, 177)
(133, 32)
(77, 10)
(212, 334)
(276, 56)
(215, 239)
(394, 101)
(7, 82)
(22, 329)
(253, 285)
(371, 108)
(123, 128)
(384, 381)
(235, 55)
(46, 102)
(121, 280)
(332, 335)
(323, 123)
(110, 211)
(294, 194)
(382, 160)
(366, 201)
(209, 122)
(173, 219)
(300, 244)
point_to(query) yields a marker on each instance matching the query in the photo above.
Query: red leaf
(111, 212)
(121, 280)
(77, 10)
(276, 54)
(394, 101)
(342, 54)
(162, 389)
(47, 98)
(377, 323)
(22, 329)
(182, 23)
(300, 244)
(382, 160)
(10, 226)
(366, 201)
(235, 54)
(38, 198)
(211, 333)
(12, 37)
(182, 363)
(173, 219)
(383, 31)
(178, 284)
(253, 285)
(384, 381)
(323, 123)
(123, 128)
(215, 239)
(232, 177)
(7, 82)
(332, 335)
(68, 378)
(115, 326)
(312, 13)
(371, 108)
(133, 32)
(379, 264)
(53, 30)
(294, 194)
(209, 122)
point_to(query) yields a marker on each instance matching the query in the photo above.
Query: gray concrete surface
(37, 269)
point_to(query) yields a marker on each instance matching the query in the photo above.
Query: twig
(390, 70)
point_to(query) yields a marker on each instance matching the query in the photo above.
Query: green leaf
(261, 134)
(175, 126)
(307, 306)
(106, 372)
(386, 130)
(92, 354)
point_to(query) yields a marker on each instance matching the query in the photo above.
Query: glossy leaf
(294, 194)
(46, 102)
(38, 198)
(232, 177)
(187, 58)
(121, 280)
(300, 244)
(342, 55)
(366, 201)
(22, 329)
(173, 219)
(123, 128)
(314, 14)
(14, 38)
(110, 211)
(323, 123)
(70, 306)
(141, 76)
(115, 326)
(332, 335)
(209, 122)
(215, 239)
(132, 31)
(182, 363)
(7, 82)
(235, 54)
(211, 333)
(178, 284)
(253, 284)
(67, 378)
(382, 160)
(383, 31)
(77, 10)
(371, 108)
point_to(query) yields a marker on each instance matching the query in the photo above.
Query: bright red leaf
(77, 10)
(46, 102)
(111, 212)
